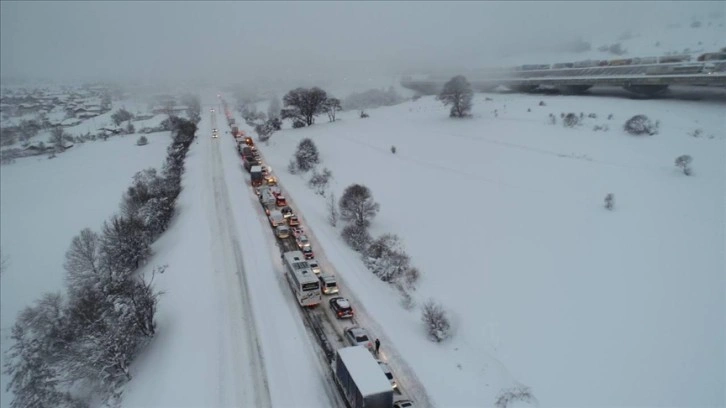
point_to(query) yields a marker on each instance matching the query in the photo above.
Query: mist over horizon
(300, 42)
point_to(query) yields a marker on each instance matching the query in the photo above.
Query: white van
(328, 283)
(282, 232)
(276, 218)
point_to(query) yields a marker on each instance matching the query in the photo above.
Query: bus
(302, 279)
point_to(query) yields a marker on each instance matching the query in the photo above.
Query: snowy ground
(44, 203)
(503, 215)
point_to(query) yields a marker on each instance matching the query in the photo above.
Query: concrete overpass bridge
(642, 79)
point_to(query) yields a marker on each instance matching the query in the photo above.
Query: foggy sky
(229, 41)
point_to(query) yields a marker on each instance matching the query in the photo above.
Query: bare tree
(122, 115)
(457, 93)
(83, 260)
(684, 162)
(357, 205)
(436, 321)
(302, 105)
(331, 107)
(319, 181)
(57, 137)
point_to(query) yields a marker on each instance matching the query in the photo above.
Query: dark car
(308, 252)
(341, 307)
(286, 212)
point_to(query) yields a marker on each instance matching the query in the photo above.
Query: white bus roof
(297, 261)
(363, 368)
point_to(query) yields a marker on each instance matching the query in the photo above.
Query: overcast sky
(233, 40)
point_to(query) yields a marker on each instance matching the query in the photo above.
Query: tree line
(88, 337)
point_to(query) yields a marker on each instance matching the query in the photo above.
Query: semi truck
(360, 379)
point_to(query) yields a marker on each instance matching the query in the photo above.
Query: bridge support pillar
(522, 88)
(647, 90)
(574, 89)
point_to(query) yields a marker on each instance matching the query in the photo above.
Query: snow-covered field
(44, 203)
(504, 216)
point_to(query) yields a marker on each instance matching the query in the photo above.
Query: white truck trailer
(360, 379)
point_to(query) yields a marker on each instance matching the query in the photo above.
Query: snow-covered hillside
(503, 214)
(45, 203)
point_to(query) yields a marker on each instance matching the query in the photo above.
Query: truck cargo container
(360, 379)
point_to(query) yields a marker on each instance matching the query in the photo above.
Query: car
(296, 232)
(281, 201)
(308, 252)
(282, 232)
(276, 219)
(403, 404)
(303, 242)
(341, 307)
(271, 180)
(327, 283)
(389, 374)
(357, 336)
(314, 266)
(286, 212)
(293, 221)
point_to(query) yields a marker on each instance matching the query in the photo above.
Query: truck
(360, 379)
(256, 175)
(248, 157)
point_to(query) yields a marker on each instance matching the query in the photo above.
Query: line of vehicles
(362, 379)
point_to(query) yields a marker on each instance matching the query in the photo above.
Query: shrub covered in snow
(306, 155)
(142, 141)
(436, 321)
(357, 237)
(684, 162)
(511, 395)
(319, 181)
(610, 201)
(386, 258)
(570, 120)
(640, 125)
